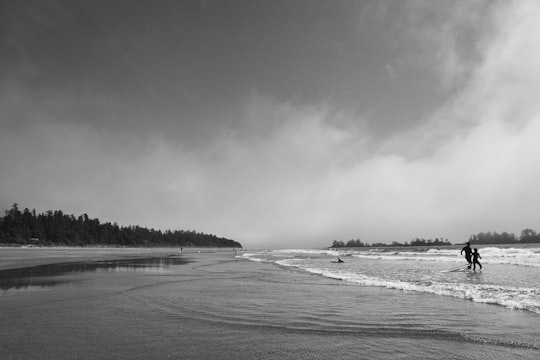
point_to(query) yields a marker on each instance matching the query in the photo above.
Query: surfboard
(461, 268)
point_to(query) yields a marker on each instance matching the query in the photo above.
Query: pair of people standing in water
(471, 257)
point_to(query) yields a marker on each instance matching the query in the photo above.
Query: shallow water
(221, 307)
(38, 277)
(509, 276)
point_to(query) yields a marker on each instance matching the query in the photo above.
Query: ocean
(509, 276)
(273, 304)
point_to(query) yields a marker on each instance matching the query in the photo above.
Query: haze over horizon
(275, 123)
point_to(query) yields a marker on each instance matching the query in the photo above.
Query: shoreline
(22, 257)
(219, 306)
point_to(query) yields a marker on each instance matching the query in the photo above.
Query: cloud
(471, 168)
(301, 175)
(391, 71)
(433, 37)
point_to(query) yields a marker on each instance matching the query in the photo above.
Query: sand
(19, 257)
(212, 305)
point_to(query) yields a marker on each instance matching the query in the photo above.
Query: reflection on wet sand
(48, 275)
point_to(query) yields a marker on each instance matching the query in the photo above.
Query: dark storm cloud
(276, 123)
(191, 64)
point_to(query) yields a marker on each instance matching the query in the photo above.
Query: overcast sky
(275, 123)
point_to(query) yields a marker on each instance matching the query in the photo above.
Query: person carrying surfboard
(468, 253)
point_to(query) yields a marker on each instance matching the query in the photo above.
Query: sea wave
(489, 255)
(521, 298)
(510, 297)
(510, 283)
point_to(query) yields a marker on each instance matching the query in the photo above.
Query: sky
(280, 124)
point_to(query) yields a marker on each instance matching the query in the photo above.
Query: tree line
(413, 242)
(54, 228)
(526, 236)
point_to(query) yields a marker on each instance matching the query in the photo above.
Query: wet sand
(212, 305)
(19, 257)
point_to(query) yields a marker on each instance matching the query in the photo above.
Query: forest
(527, 236)
(414, 242)
(54, 228)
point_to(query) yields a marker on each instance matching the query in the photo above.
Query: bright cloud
(290, 174)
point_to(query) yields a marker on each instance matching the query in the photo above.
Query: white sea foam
(310, 251)
(511, 297)
(253, 257)
(509, 284)
(489, 255)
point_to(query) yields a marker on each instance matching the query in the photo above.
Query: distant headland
(54, 228)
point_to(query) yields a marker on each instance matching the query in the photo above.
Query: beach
(215, 304)
(19, 257)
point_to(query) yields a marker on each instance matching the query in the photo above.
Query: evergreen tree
(57, 228)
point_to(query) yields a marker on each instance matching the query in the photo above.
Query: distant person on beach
(468, 253)
(476, 256)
